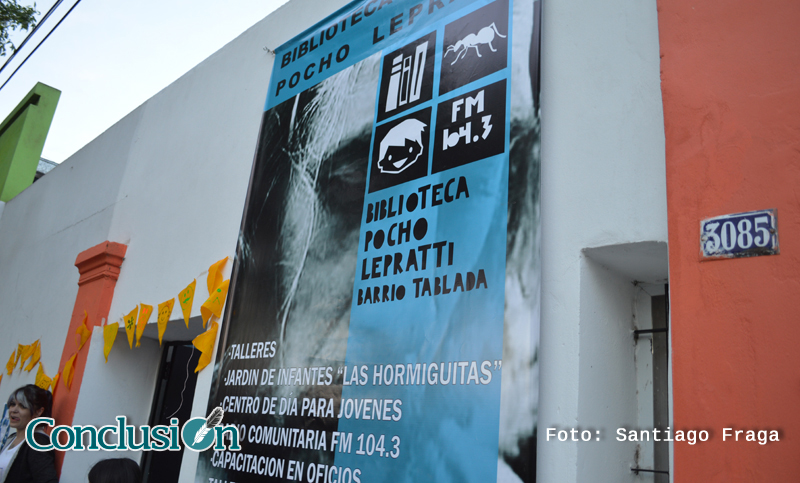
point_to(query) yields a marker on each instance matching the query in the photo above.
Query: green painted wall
(22, 136)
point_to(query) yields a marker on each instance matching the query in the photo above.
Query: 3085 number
(739, 235)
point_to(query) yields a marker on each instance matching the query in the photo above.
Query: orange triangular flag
(205, 344)
(215, 275)
(41, 378)
(109, 335)
(215, 302)
(69, 371)
(164, 313)
(130, 324)
(35, 356)
(54, 383)
(144, 316)
(186, 297)
(23, 353)
(83, 331)
(12, 362)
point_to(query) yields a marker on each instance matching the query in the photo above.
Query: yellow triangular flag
(109, 335)
(35, 356)
(41, 378)
(130, 324)
(23, 353)
(69, 371)
(144, 316)
(54, 384)
(215, 302)
(164, 313)
(83, 331)
(205, 344)
(12, 362)
(215, 275)
(186, 297)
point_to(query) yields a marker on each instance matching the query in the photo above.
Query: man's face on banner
(329, 155)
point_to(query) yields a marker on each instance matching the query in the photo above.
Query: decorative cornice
(100, 261)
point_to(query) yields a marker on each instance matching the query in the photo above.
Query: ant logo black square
(475, 46)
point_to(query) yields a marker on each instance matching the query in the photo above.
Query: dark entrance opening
(173, 398)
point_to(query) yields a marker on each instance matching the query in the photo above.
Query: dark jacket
(31, 466)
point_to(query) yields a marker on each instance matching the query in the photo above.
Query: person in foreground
(115, 470)
(19, 463)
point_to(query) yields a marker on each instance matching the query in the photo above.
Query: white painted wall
(42, 231)
(607, 374)
(603, 183)
(169, 180)
(122, 387)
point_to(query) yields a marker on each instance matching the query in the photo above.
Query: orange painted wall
(731, 93)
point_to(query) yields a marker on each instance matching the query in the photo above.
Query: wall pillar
(99, 269)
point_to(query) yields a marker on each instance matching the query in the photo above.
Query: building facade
(654, 117)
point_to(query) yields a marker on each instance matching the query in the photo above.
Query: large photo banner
(383, 323)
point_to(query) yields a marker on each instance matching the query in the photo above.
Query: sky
(109, 56)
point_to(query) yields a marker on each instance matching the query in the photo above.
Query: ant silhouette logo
(474, 46)
(485, 36)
